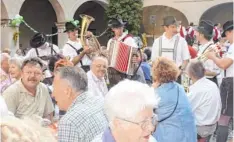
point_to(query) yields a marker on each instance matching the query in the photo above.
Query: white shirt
(205, 100)
(230, 54)
(44, 50)
(3, 107)
(95, 85)
(182, 49)
(208, 64)
(128, 41)
(68, 51)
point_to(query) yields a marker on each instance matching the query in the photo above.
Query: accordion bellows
(120, 57)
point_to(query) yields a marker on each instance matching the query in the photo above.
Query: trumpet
(202, 57)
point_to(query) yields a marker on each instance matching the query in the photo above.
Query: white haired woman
(129, 109)
(15, 64)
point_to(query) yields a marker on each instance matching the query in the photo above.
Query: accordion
(120, 57)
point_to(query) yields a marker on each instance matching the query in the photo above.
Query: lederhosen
(214, 79)
(46, 58)
(225, 124)
(114, 76)
(174, 50)
(86, 68)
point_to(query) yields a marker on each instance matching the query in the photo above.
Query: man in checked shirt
(84, 118)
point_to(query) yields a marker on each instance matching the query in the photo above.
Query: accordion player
(121, 65)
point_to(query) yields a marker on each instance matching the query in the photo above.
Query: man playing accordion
(123, 39)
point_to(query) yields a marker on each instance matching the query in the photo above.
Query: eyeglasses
(146, 124)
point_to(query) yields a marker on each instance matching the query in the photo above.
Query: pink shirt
(5, 80)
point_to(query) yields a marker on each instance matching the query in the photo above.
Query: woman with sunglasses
(175, 118)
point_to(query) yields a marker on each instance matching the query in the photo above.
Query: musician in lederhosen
(117, 26)
(73, 48)
(171, 45)
(204, 34)
(44, 50)
(226, 89)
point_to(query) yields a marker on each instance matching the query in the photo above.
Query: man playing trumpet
(73, 48)
(204, 34)
(226, 88)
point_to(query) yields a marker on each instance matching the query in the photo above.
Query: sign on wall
(152, 19)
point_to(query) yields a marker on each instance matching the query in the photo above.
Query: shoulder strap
(207, 47)
(128, 35)
(77, 51)
(175, 48)
(52, 49)
(160, 46)
(37, 52)
(178, 93)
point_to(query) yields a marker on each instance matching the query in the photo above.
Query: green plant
(128, 10)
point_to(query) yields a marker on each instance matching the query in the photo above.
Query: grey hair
(4, 56)
(75, 76)
(100, 57)
(196, 69)
(17, 61)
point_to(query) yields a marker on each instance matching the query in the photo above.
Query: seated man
(205, 100)
(28, 96)
(96, 81)
(85, 117)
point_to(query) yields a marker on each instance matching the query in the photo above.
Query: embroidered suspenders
(174, 50)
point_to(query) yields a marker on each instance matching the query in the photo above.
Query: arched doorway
(97, 11)
(40, 15)
(219, 13)
(152, 19)
(4, 30)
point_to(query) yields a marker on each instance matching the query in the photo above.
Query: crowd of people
(76, 95)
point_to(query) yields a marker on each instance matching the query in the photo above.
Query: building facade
(49, 16)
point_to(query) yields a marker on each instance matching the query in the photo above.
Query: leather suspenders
(174, 50)
(77, 51)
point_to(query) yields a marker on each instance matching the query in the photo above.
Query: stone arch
(153, 15)
(78, 3)
(97, 10)
(41, 16)
(4, 12)
(4, 30)
(216, 15)
(58, 10)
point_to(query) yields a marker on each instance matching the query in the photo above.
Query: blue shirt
(180, 126)
(146, 69)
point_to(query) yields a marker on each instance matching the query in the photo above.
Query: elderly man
(84, 118)
(28, 96)
(4, 76)
(130, 113)
(96, 82)
(205, 100)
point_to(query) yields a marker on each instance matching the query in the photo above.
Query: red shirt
(192, 51)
